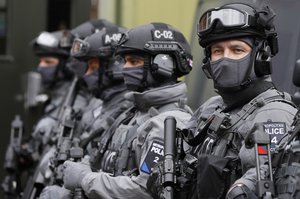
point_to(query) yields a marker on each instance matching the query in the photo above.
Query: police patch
(154, 155)
(162, 35)
(276, 130)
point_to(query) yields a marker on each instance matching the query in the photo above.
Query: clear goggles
(79, 47)
(47, 39)
(229, 17)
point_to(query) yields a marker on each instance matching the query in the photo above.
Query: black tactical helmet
(156, 39)
(250, 21)
(238, 20)
(51, 44)
(87, 28)
(98, 44)
(82, 31)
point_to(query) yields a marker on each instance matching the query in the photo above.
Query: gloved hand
(240, 191)
(74, 172)
(154, 183)
(43, 130)
(56, 192)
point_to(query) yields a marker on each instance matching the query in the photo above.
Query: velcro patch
(276, 130)
(154, 155)
(162, 35)
(262, 150)
(109, 38)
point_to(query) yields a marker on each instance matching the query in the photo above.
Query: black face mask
(112, 74)
(92, 81)
(228, 73)
(134, 77)
(77, 67)
(48, 74)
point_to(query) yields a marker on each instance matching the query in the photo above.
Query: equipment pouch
(213, 176)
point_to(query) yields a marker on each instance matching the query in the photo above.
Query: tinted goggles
(229, 17)
(47, 39)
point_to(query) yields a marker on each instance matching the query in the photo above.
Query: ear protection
(263, 65)
(183, 62)
(163, 65)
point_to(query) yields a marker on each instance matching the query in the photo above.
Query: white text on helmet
(110, 38)
(167, 34)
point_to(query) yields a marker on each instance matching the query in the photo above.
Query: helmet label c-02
(162, 35)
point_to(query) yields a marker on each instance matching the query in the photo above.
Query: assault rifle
(65, 151)
(178, 167)
(64, 131)
(76, 153)
(11, 184)
(260, 140)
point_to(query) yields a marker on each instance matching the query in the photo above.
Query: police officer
(53, 52)
(50, 48)
(155, 56)
(79, 66)
(67, 64)
(81, 32)
(239, 40)
(103, 77)
(238, 60)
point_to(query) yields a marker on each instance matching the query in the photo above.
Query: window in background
(3, 27)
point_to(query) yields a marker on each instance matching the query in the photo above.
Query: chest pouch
(214, 176)
(287, 164)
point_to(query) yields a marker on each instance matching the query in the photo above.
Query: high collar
(158, 96)
(116, 100)
(112, 91)
(234, 100)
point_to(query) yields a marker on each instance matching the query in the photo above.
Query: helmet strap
(147, 65)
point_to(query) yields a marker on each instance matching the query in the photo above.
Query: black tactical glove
(154, 183)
